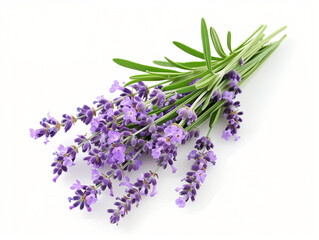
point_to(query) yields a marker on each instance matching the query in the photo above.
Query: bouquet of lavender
(154, 120)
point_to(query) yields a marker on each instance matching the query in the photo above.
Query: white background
(57, 55)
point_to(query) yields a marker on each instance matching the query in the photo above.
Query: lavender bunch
(153, 120)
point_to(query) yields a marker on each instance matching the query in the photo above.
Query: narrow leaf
(214, 117)
(167, 74)
(147, 77)
(186, 89)
(184, 82)
(144, 77)
(206, 47)
(140, 67)
(181, 66)
(187, 64)
(189, 50)
(217, 45)
(192, 51)
(207, 100)
(204, 81)
(229, 41)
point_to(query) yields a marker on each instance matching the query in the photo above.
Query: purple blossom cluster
(50, 126)
(65, 157)
(186, 113)
(125, 129)
(134, 192)
(85, 196)
(194, 178)
(231, 114)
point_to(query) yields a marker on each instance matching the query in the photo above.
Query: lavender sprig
(154, 120)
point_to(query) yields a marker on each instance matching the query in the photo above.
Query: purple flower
(210, 157)
(76, 186)
(175, 132)
(186, 113)
(200, 176)
(197, 175)
(84, 197)
(91, 199)
(118, 154)
(64, 158)
(115, 86)
(226, 134)
(142, 89)
(85, 114)
(227, 95)
(67, 121)
(203, 142)
(96, 158)
(104, 182)
(95, 174)
(127, 102)
(217, 94)
(95, 123)
(233, 77)
(180, 202)
(81, 139)
(114, 136)
(50, 127)
(158, 97)
(133, 195)
(233, 116)
(127, 183)
(241, 61)
(129, 114)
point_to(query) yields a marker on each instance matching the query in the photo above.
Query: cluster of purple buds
(65, 157)
(165, 143)
(85, 196)
(197, 175)
(186, 113)
(158, 97)
(50, 127)
(231, 114)
(68, 121)
(102, 181)
(134, 193)
(86, 114)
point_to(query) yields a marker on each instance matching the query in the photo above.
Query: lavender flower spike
(197, 175)
(134, 193)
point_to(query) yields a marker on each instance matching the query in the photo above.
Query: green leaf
(181, 66)
(167, 74)
(189, 50)
(187, 64)
(209, 95)
(184, 82)
(204, 81)
(192, 51)
(214, 117)
(186, 89)
(147, 77)
(144, 77)
(206, 47)
(229, 41)
(217, 45)
(140, 67)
